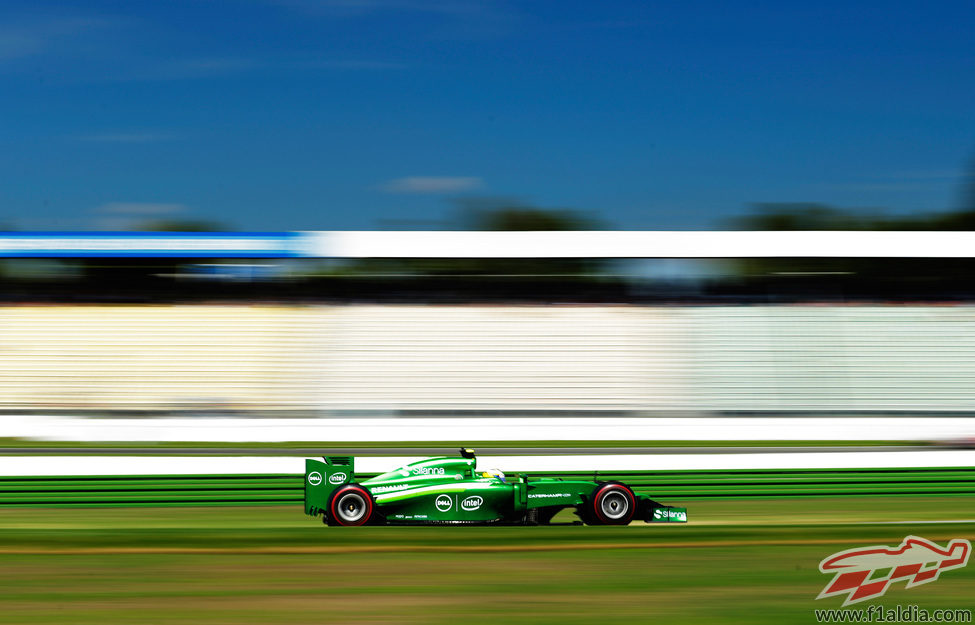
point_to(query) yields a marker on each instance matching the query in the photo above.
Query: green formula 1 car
(450, 490)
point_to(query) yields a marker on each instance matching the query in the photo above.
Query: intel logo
(471, 503)
(336, 478)
(444, 503)
(314, 478)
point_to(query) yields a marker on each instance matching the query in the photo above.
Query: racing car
(451, 490)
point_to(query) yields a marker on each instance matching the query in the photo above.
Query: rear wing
(322, 477)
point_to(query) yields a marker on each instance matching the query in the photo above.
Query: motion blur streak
(390, 359)
(584, 430)
(164, 465)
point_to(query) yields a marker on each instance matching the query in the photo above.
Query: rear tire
(351, 506)
(611, 503)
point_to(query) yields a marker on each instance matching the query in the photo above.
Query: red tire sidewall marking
(335, 498)
(598, 510)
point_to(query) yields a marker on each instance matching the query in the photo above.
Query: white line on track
(402, 430)
(229, 465)
(936, 522)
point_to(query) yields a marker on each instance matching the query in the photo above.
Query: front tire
(351, 506)
(611, 504)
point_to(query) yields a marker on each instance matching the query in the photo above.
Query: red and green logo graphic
(867, 572)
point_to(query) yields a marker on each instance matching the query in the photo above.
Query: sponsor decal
(314, 478)
(916, 559)
(336, 478)
(664, 514)
(471, 503)
(386, 489)
(444, 503)
(543, 495)
(428, 471)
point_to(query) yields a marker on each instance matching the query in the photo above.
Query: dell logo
(444, 503)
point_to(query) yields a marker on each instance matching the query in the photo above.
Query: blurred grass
(284, 489)
(738, 561)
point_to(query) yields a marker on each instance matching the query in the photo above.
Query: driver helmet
(494, 473)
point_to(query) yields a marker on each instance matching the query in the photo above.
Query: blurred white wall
(832, 358)
(501, 357)
(426, 358)
(155, 357)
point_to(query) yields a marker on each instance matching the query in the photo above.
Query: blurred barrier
(474, 430)
(278, 489)
(182, 490)
(492, 244)
(795, 482)
(456, 360)
(100, 465)
(156, 358)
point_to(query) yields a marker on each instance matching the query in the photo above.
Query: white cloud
(433, 184)
(140, 208)
(128, 215)
(203, 67)
(357, 65)
(212, 67)
(461, 19)
(127, 137)
(31, 37)
(934, 174)
(464, 8)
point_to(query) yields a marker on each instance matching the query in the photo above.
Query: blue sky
(361, 114)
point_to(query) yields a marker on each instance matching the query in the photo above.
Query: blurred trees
(490, 278)
(488, 214)
(510, 215)
(142, 279)
(857, 278)
(181, 225)
(802, 216)
(968, 189)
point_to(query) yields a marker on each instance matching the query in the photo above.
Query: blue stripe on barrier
(153, 244)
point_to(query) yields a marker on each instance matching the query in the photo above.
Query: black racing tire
(611, 503)
(351, 506)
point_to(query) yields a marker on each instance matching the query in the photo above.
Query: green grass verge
(738, 561)
(249, 490)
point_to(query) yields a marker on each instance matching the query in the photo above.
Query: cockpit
(494, 473)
